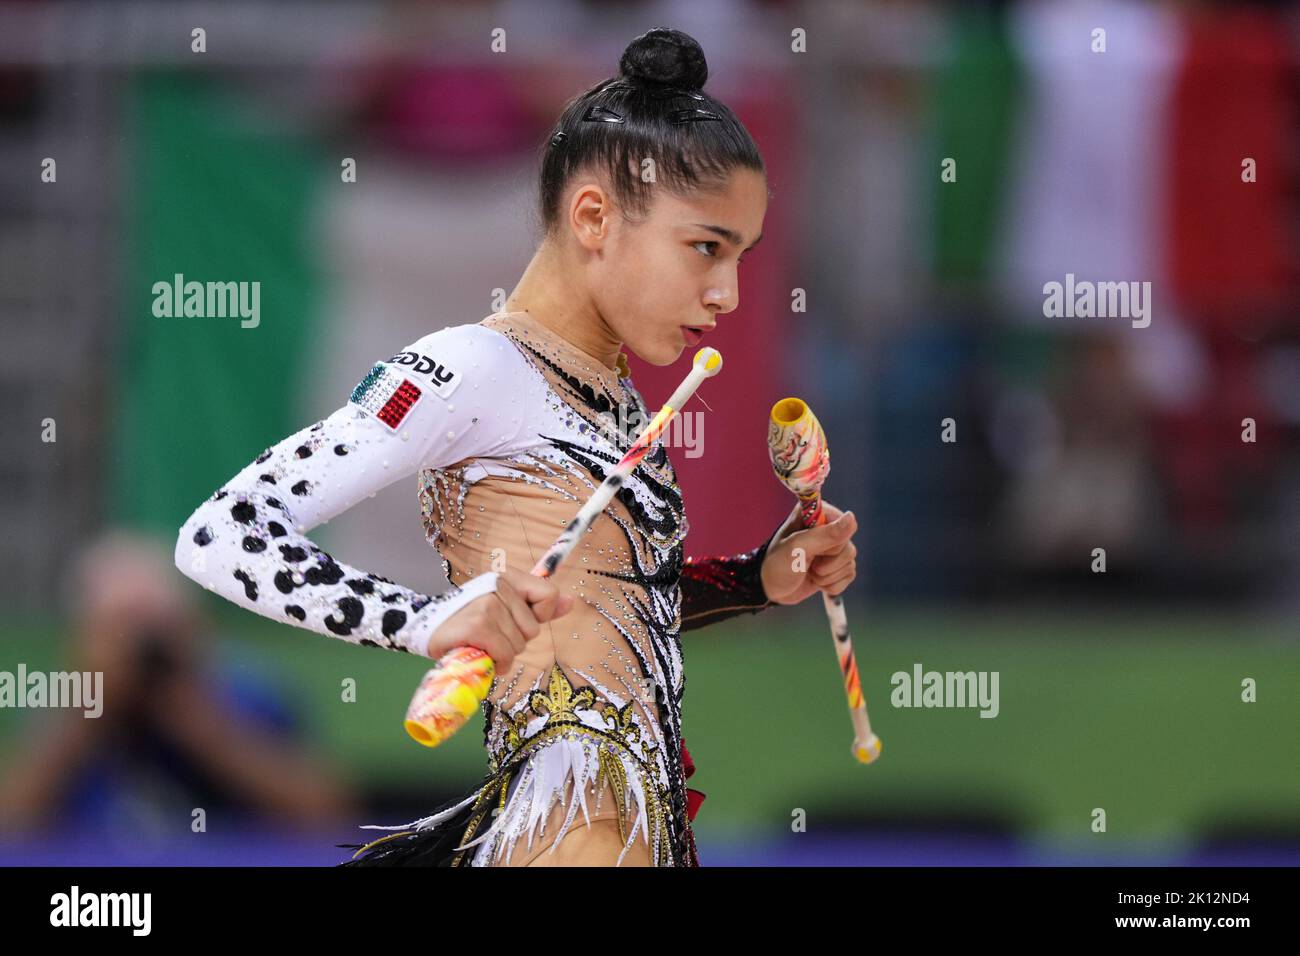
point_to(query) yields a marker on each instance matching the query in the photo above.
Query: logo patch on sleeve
(442, 379)
(386, 395)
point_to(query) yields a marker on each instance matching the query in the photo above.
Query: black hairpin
(695, 115)
(673, 92)
(601, 114)
(559, 137)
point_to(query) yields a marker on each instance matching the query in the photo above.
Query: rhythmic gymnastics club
(460, 680)
(802, 459)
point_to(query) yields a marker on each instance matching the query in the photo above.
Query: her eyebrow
(730, 235)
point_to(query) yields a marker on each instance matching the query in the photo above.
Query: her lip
(692, 337)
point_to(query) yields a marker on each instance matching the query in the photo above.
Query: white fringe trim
(425, 823)
(543, 782)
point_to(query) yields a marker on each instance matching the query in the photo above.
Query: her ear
(589, 214)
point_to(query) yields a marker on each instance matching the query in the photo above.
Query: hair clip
(559, 137)
(695, 115)
(602, 114)
(673, 92)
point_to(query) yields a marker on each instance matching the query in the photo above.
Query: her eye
(714, 245)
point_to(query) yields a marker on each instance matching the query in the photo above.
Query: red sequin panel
(399, 404)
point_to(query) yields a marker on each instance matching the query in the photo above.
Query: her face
(661, 282)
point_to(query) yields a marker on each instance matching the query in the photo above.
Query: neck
(541, 293)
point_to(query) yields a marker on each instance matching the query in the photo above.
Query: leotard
(509, 428)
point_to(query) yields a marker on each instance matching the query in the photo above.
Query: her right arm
(248, 542)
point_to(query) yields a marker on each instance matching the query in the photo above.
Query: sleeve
(716, 588)
(423, 407)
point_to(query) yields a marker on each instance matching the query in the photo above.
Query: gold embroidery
(562, 701)
(559, 706)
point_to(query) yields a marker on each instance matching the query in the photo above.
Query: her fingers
(509, 612)
(846, 548)
(825, 578)
(545, 599)
(830, 567)
(840, 584)
(523, 616)
(497, 637)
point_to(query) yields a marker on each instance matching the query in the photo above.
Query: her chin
(674, 356)
(660, 355)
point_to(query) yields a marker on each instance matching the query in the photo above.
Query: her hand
(501, 623)
(799, 563)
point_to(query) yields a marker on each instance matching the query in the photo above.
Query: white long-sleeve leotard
(434, 403)
(510, 428)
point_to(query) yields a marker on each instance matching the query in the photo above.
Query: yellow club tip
(709, 359)
(869, 751)
(420, 733)
(789, 411)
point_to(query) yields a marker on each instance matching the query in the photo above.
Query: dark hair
(654, 109)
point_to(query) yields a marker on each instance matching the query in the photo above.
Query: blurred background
(1174, 447)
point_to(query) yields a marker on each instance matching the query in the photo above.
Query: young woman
(510, 424)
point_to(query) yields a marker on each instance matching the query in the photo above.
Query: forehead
(739, 205)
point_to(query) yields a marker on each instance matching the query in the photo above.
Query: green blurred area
(1141, 715)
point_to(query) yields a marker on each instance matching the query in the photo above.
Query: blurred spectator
(1088, 481)
(176, 733)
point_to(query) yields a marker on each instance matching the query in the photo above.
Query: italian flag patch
(386, 394)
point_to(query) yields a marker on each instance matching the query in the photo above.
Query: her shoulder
(447, 358)
(460, 392)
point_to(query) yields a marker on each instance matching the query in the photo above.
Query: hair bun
(667, 57)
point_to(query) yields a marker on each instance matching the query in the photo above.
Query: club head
(797, 447)
(708, 360)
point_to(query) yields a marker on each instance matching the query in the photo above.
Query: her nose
(721, 300)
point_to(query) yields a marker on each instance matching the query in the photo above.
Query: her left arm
(716, 588)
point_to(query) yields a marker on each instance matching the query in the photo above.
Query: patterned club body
(801, 459)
